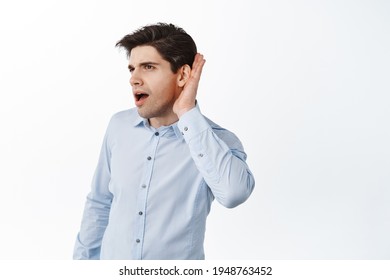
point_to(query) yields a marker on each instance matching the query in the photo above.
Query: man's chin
(145, 114)
(141, 113)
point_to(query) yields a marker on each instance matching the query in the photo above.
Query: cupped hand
(186, 100)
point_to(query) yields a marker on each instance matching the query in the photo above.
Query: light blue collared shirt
(153, 188)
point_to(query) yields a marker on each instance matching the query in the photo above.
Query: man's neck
(163, 121)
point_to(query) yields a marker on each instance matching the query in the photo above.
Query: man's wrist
(192, 123)
(181, 112)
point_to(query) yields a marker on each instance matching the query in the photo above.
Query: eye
(148, 67)
(131, 69)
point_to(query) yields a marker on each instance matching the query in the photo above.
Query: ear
(184, 73)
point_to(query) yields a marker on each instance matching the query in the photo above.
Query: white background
(304, 84)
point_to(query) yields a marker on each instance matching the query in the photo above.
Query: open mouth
(140, 98)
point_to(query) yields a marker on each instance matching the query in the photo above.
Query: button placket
(144, 191)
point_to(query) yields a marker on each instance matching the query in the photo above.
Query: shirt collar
(140, 121)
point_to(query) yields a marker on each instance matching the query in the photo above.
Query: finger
(197, 66)
(199, 60)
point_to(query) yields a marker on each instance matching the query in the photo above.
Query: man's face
(154, 85)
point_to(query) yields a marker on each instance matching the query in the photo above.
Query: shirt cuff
(192, 123)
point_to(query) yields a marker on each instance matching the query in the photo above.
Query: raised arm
(218, 153)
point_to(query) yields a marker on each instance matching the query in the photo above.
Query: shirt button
(157, 134)
(200, 155)
(185, 128)
(149, 158)
(138, 241)
(140, 213)
(143, 186)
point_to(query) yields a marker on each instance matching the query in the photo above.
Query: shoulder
(129, 115)
(125, 117)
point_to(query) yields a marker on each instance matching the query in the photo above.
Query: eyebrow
(143, 64)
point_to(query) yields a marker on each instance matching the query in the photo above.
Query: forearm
(222, 166)
(93, 226)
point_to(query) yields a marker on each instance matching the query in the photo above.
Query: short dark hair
(172, 43)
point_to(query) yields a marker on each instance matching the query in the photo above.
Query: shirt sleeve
(96, 210)
(221, 160)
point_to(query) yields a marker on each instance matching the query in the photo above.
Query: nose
(135, 79)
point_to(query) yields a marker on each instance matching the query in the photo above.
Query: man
(162, 163)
